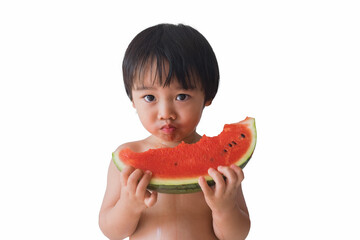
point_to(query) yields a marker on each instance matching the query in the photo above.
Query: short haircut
(189, 56)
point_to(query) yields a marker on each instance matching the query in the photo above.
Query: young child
(170, 74)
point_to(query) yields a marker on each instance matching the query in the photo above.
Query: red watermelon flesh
(176, 170)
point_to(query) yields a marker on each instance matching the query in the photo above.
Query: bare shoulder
(126, 145)
(136, 146)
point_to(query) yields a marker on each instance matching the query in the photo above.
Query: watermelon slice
(176, 170)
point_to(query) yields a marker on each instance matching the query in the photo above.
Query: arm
(230, 215)
(125, 199)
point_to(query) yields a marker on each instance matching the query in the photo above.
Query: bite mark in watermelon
(176, 170)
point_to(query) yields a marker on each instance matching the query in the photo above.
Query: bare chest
(184, 216)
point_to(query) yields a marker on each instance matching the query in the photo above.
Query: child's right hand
(133, 189)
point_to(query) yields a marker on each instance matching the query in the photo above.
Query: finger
(125, 173)
(151, 198)
(229, 173)
(143, 183)
(134, 179)
(218, 179)
(207, 190)
(239, 172)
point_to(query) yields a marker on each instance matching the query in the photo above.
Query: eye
(149, 98)
(182, 97)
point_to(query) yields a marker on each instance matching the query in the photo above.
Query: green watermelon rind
(190, 185)
(181, 188)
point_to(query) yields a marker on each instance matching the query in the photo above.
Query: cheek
(193, 114)
(144, 114)
(147, 114)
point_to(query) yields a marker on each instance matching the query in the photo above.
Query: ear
(208, 103)
(133, 104)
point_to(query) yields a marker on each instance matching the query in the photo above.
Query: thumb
(150, 198)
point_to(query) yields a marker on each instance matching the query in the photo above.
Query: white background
(293, 65)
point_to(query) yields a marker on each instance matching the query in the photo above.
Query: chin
(169, 138)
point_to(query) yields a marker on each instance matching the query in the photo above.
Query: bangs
(162, 71)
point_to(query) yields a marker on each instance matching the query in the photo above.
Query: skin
(171, 115)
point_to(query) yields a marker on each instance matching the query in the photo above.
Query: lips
(168, 129)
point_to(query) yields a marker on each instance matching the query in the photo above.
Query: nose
(166, 111)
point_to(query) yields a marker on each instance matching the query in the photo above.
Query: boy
(170, 74)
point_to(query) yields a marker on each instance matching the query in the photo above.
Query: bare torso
(176, 216)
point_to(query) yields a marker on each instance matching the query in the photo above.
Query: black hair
(189, 56)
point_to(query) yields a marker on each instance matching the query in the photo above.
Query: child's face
(169, 113)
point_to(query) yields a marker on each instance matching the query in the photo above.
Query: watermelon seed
(175, 163)
(234, 142)
(242, 135)
(225, 150)
(230, 145)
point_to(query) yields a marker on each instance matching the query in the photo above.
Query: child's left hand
(223, 196)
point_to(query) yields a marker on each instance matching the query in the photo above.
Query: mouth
(168, 129)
